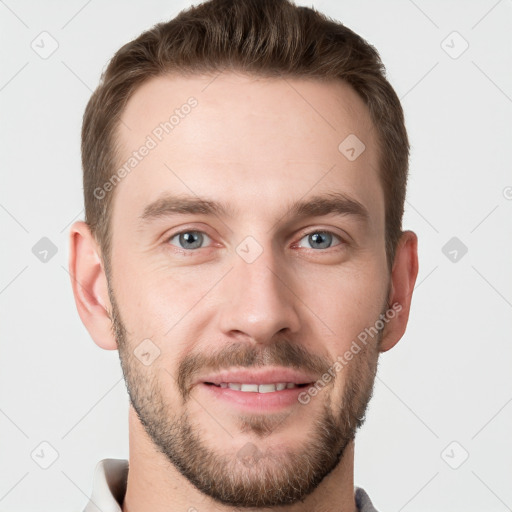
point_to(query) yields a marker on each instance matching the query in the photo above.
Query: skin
(257, 146)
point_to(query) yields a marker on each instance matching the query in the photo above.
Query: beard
(250, 476)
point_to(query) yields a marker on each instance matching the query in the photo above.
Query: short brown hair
(268, 38)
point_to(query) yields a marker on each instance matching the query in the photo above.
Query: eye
(189, 239)
(320, 240)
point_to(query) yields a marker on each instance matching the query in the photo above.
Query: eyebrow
(181, 205)
(336, 203)
(331, 203)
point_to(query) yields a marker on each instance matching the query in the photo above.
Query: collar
(109, 486)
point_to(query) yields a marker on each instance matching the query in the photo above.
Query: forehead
(247, 140)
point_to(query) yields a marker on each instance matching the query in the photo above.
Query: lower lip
(251, 401)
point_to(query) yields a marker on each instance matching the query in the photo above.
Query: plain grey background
(437, 434)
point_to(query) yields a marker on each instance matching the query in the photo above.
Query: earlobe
(403, 278)
(89, 285)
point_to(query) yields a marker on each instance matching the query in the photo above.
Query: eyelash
(342, 242)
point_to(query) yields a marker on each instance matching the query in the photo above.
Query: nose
(259, 300)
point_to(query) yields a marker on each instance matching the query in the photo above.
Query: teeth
(258, 388)
(249, 387)
(266, 388)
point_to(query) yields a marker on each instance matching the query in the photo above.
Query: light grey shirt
(109, 488)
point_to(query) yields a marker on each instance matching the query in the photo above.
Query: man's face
(257, 293)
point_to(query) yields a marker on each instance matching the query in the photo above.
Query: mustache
(280, 353)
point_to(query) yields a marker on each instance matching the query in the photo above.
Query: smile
(257, 388)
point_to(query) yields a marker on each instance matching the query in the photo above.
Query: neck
(155, 485)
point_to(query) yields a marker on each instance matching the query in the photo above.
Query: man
(245, 169)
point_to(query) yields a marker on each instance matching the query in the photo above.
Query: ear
(89, 284)
(403, 278)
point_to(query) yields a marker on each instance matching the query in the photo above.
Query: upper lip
(258, 376)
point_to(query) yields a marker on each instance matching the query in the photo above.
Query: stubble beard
(252, 476)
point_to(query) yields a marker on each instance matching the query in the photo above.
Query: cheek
(154, 298)
(347, 302)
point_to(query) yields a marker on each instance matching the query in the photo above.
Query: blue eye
(189, 239)
(320, 239)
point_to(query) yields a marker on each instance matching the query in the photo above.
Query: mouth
(258, 388)
(262, 391)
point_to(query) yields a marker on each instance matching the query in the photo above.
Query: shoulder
(363, 502)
